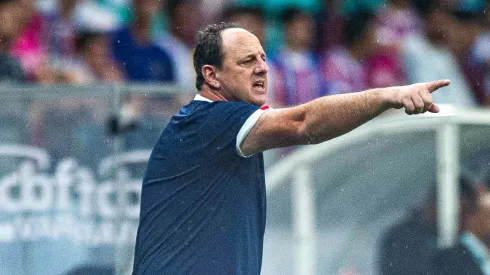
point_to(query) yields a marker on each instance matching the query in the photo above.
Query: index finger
(434, 85)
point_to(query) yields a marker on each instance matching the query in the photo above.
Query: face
(11, 25)
(243, 76)
(477, 217)
(436, 25)
(461, 36)
(68, 4)
(370, 42)
(300, 32)
(252, 23)
(97, 54)
(186, 22)
(146, 8)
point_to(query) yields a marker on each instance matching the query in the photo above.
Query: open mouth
(259, 84)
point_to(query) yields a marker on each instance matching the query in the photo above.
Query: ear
(209, 73)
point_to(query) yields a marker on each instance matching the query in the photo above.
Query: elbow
(306, 132)
(308, 136)
(315, 134)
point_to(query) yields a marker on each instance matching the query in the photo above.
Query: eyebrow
(253, 55)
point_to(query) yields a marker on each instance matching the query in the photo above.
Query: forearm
(331, 116)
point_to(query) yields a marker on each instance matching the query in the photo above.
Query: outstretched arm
(331, 116)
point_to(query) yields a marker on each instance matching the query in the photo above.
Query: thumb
(434, 108)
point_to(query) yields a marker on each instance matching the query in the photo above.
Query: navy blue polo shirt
(203, 203)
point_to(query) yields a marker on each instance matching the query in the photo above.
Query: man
(142, 59)
(10, 68)
(251, 19)
(470, 254)
(426, 56)
(296, 68)
(203, 196)
(183, 21)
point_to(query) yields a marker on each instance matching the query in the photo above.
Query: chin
(258, 101)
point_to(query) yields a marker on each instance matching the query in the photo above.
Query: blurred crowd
(313, 49)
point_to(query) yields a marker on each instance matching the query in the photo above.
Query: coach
(203, 198)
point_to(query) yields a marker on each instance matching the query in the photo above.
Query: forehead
(239, 42)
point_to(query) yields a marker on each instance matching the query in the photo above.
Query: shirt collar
(478, 251)
(202, 98)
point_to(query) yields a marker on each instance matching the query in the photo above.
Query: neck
(66, 11)
(357, 52)
(142, 25)
(297, 47)
(141, 32)
(5, 44)
(399, 5)
(213, 95)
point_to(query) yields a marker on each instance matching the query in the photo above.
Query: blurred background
(87, 86)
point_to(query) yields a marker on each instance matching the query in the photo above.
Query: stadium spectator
(360, 63)
(396, 20)
(141, 58)
(471, 253)
(427, 56)
(409, 247)
(183, 21)
(94, 61)
(10, 69)
(59, 31)
(29, 46)
(481, 58)
(252, 19)
(467, 40)
(341, 65)
(295, 68)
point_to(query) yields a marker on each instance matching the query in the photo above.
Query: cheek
(239, 80)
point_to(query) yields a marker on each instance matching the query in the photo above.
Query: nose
(261, 67)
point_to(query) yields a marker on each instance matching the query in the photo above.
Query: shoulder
(458, 252)
(222, 109)
(456, 260)
(169, 42)
(121, 32)
(336, 54)
(229, 111)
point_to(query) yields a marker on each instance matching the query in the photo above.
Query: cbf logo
(72, 202)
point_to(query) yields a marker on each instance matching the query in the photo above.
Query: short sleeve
(223, 124)
(247, 126)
